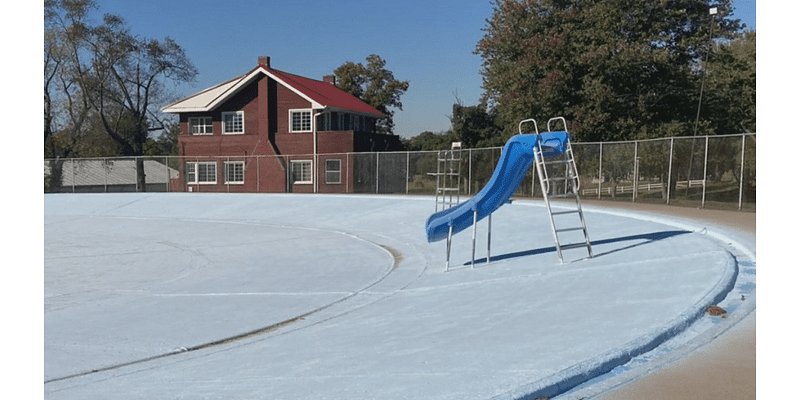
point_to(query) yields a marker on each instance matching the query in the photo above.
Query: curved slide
(514, 162)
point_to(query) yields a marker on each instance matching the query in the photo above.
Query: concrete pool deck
(281, 296)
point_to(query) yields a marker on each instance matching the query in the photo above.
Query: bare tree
(118, 76)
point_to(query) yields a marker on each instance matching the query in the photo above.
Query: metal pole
(449, 242)
(72, 167)
(469, 182)
(600, 172)
(105, 174)
(489, 242)
(166, 172)
(669, 170)
(705, 174)
(474, 234)
(635, 170)
(377, 171)
(741, 175)
(408, 159)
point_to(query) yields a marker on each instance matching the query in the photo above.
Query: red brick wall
(266, 106)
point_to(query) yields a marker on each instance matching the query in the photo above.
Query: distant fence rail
(703, 171)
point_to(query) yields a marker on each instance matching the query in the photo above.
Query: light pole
(712, 11)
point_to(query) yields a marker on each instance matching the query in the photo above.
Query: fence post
(469, 175)
(104, 163)
(377, 172)
(72, 167)
(741, 175)
(669, 169)
(635, 170)
(408, 160)
(349, 173)
(705, 174)
(600, 172)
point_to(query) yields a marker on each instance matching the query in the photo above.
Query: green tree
(616, 69)
(113, 73)
(474, 126)
(166, 143)
(729, 102)
(375, 85)
(427, 141)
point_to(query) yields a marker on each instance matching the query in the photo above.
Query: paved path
(280, 296)
(722, 369)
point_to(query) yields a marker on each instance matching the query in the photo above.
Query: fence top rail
(669, 138)
(115, 158)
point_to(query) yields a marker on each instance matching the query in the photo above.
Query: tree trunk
(140, 176)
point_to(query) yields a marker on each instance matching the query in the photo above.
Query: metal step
(570, 174)
(565, 212)
(563, 196)
(574, 246)
(556, 162)
(579, 228)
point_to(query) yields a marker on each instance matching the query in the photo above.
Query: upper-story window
(233, 122)
(300, 120)
(200, 126)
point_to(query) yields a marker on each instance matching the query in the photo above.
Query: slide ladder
(558, 176)
(448, 182)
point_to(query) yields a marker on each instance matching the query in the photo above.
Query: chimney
(263, 61)
(330, 79)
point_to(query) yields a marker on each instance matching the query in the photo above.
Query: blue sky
(429, 43)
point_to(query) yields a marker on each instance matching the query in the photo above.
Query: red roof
(321, 94)
(326, 93)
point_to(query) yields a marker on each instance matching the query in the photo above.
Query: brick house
(302, 131)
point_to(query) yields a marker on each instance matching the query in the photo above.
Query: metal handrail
(563, 121)
(519, 127)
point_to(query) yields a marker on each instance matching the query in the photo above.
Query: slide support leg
(449, 241)
(489, 242)
(474, 234)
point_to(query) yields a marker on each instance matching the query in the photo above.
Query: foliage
(375, 85)
(102, 73)
(474, 126)
(730, 100)
(427, 141)
(616, 69)
(166, 143)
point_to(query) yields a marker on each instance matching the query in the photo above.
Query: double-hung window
(234, 172)
(333, 171)
(300, 120)
(201, 172)
(233, 123)
(301, 171)
(200, 126)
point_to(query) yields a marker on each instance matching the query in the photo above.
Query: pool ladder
(448, 182)
(561, 182)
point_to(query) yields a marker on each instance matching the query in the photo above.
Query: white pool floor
(224, 296)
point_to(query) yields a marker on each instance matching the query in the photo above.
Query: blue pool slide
(514, 163)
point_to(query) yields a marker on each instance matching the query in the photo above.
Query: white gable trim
(228, 90)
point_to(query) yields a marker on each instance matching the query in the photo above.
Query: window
(333, 171)
(301, 171)
(233, 122)
(201, 172)
(234, 172)
(200, 126)
(300, 120)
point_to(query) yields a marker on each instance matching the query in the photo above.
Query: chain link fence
(702, 171)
